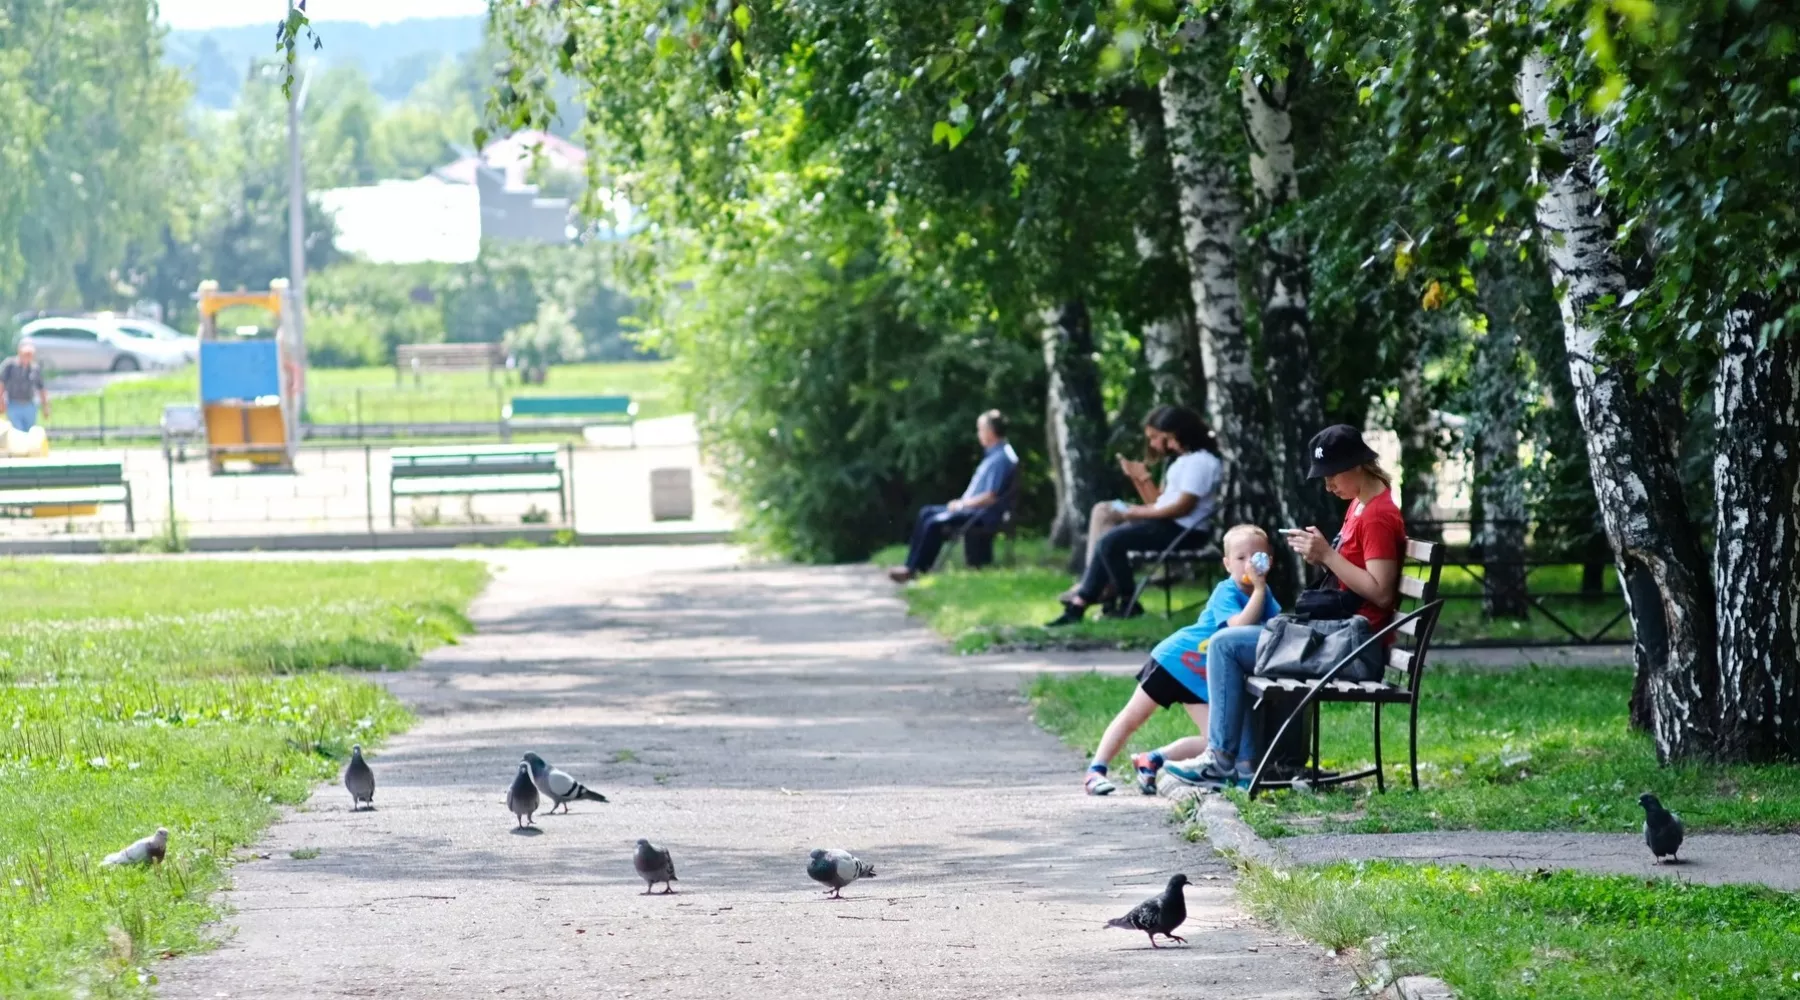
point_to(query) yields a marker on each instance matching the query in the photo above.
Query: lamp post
(297, 226)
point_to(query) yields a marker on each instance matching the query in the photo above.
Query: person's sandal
(1146, 768)
(1098, 784)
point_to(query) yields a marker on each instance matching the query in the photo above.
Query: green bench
(465, 470)
(42, 482)
(593, 409)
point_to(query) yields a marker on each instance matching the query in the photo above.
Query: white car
(189, 344)
(67, 344)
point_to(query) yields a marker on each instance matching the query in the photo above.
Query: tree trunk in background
(1212, 218)
(1171, 351)
(1756, 555)
(1494, 446)
(1292, 379)
(1635, 479)
(1076, 418)
(1416, 426)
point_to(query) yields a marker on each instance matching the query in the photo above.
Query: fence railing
(128, 413)
(1562, 576)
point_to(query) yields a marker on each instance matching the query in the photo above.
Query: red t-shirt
(1373, 530)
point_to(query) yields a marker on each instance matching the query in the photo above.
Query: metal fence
(1562, 591)
(126, 412)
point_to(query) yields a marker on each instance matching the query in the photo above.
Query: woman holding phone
(1187, 499)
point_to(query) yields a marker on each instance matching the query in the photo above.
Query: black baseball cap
(1338, 448)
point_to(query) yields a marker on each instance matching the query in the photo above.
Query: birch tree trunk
(1635, 480)
(1212, 219)
(1292, 380)
(1416, 428)
(1076, 418)
(1499, 478)
(1171, 353)
(1756, 555)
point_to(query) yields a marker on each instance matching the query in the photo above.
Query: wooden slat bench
(466, 470)
(421, 358)
(39, 482)
(1419, 573)
(543, 411)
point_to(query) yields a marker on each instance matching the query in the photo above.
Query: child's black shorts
(1163, 688)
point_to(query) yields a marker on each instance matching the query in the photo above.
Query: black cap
(1338, 448)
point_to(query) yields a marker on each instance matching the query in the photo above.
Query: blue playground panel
(243, 370)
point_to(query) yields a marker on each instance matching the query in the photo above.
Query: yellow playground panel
(249, 381)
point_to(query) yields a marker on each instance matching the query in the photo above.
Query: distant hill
(395, 56)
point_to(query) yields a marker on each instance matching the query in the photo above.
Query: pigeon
(655, 865)
(1160, 914)
(837, 868)
(1662, 829)
(522, 797)
(148, 851)
(557, 785)
(359, 779)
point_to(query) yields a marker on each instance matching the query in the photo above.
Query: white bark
(1076, 424)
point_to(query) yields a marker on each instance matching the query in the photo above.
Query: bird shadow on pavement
(527, 831)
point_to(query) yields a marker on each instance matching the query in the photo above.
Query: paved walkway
(740, 715)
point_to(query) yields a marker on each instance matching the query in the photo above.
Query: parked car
(189, 344)
(68, 344)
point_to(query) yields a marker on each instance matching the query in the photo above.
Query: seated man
(984, 501)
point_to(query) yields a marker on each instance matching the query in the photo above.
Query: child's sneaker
(1147, 765)
(1097, 784)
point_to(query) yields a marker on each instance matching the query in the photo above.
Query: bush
(345, 338)
(549, 339)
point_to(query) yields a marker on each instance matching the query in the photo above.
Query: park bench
(421, 358)
(1419, 573)
(545, 411)
(1173, 563)
(466, 470)
(37, 483)
(1007, 526)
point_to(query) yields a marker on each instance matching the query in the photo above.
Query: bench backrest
(1420, 573)
(449, 355)
(38, 474)
(544, 406)
(474, 460)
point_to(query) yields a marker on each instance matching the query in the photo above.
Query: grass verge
(1530, 749)
(1547, 936)
(196, 695)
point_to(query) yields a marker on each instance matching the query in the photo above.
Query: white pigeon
(557, 785)
(148, 851)
(837, 868)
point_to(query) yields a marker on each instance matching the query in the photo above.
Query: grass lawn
(1005, 606)
(192, 694)
(1530, 749)
(340, 395)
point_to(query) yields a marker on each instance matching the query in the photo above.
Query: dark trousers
(933, 525)
(1110, 564)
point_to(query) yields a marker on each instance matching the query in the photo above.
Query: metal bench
(421, 358)
(1400, 686)
(1007, 526)
(466, 470)
(37, 482)
(1173, 563)
(543, 411)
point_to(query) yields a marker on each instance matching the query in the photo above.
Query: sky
(230, 13)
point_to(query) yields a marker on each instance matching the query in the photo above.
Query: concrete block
(671, 494)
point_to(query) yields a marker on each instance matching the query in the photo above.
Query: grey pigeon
(522, 797)
(148, 851)
(655, 865)
(1160, 914)
(1662, 829)
(359, 779)
(837, 868)
(557, 785)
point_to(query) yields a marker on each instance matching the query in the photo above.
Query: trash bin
(671, 494)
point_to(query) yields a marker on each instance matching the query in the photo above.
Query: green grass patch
(192, 694)
(1005, 607)
(1552, 936)
(1529, 749)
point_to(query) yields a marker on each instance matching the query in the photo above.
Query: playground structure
(250, 381)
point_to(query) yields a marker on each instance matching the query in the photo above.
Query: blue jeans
(1230, 657)
(23, 416)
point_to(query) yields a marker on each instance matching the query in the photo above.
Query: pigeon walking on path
(655, 865)
(557, 785)
(1662, 829)
(1160, 914)
(148, 851)
(359, 780)
(837, 868)
(522, 797)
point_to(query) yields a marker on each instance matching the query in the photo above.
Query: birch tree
(1075, 420)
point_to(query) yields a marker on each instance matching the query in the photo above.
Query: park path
(740, 715)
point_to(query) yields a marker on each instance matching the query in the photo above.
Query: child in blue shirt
(1176, 671)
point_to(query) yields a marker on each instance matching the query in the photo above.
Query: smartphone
(1120, 506)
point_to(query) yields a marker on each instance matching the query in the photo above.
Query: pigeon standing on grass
(655, 865)
(557, 785)
(837, 868)
(359, 780)
(522, 797)
(1160, 914)
(1662, 829)
(148, 851)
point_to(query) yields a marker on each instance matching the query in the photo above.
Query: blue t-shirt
(1184, 653)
